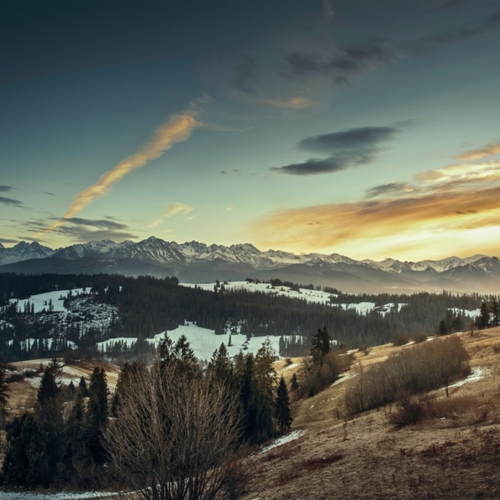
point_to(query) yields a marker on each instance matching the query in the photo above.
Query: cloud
(10, 201)
(245, 73)
(456, 34)
(296, 102)
(346, 149)
(100, 223)
(177, 129)
(327, 226)
(456, 205)
(5, 189)
(312, 167)
(173, 209)
(342, 66)
(7, 240)
(328, 11)
(82, 230)
(476, 154)
(391, 188)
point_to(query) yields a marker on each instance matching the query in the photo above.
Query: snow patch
(477, 374)
(283, 440)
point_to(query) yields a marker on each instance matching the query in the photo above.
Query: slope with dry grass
(453, 453)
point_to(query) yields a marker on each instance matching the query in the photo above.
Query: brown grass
(454, 453)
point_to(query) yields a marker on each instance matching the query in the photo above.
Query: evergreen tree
(320, 345)
(97, 415)
(76, 455)
(220, 368)
(495, 310)
(4, 388)
(82, 386)
(24, 457)
(483, 320)
(48, 417)
(263, 401)
(283, 413)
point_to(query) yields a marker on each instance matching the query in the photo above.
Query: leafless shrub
(314, 377)
(400, 339)
(409, 411)
(417, 369)
(175, 437)
(14, 377)
(420, 337)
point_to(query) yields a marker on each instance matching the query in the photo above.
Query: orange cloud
(296, 102)
(173, 209)
(382, 222)
(177, 129)
(477, 154)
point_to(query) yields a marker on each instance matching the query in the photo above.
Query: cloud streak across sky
(177, 129)
(345, 149)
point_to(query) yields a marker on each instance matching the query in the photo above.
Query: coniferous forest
(141, 307)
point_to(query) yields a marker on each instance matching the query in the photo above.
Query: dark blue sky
(363, 127)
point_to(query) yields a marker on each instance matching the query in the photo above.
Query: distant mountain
(197, 262)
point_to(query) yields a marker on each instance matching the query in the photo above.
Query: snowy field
(41, 301)
(204, 341)
(283, 291)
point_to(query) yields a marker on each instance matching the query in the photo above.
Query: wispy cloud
(5, 189)
(386, 189)
(345, 149)
(448, 207)
(458, 33)
(476, 154)
(81, 230)
(177, 129)
(297, 102)
(10, 201)
(343, 64)
(173, 209)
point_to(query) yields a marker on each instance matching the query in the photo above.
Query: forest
(144, 306)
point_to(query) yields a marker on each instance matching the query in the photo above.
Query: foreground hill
(197, 262)
(453, 456)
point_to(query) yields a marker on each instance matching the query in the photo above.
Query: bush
(416, 369)
(400, 339)
(420, 337)
(314, 377)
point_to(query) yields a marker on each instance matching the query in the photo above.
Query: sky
(368, 128)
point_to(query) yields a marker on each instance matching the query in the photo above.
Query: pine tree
(24, 457)
(320, 345)
(4, 388)
(220, 368)
(82, 386)
(97, 415)
(48, 417)
(283, 413)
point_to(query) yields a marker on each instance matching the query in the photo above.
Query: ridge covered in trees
(145, 306)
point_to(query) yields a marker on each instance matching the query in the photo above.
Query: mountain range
(198, 263)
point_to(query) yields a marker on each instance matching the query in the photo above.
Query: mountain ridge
(195, 261)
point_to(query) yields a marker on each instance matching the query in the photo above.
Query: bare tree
(175, 437)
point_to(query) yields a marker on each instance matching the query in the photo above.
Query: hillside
(328, 456)
(454, 456)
